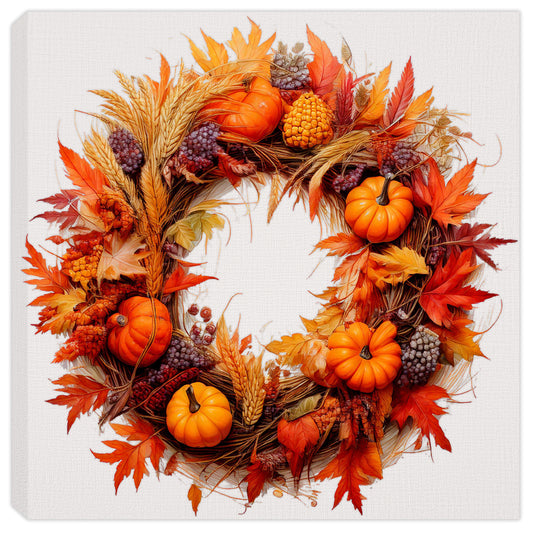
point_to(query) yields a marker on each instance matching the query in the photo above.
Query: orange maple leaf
(179, 280)
(419, 405)
(445, 288)
(448, 202)
(356, 466)
(324, 68)
(341, 244)
(299, 437)
(130, 457)
(405, 126)
(458, 339)
(47, 279)
(81, 395)
(89, 180)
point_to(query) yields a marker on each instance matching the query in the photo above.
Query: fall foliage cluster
(380, 169)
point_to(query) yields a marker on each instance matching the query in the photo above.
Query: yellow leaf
(217, 54)
(290, 349)
(188, 231)
(64, 304)
(375, 107)
(328, 320)
(253, 49)
(121, 258)
(183, 234)
(395, 265)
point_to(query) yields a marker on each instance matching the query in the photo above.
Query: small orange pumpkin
(131, 329)
(364, 358)
(253, 112)
(199, 416)
(379, 210)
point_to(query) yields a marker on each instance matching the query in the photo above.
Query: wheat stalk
(231, 360)
(254, 393)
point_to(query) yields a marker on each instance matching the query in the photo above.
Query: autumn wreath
(362, 384)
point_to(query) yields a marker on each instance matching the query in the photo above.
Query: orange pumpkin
(199, 416)
(131, 330)
(253, 112)
(379, 210)
(364, 358)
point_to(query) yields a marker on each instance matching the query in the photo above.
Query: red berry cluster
(200, 334)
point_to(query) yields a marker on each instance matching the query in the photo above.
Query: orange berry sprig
(80, 261)
(115, 212)
(328, 414)
(85, 341)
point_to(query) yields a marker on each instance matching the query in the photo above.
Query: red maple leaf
(464, 236)
(324, 68)
(81, 395)
(132, 457)
(419, 404)
(180, 280)
(445, 288)
(66, 198)
(298, 437)
(448, 202)
(356, 466)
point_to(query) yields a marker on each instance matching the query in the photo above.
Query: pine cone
(289, 70)
(420, 355)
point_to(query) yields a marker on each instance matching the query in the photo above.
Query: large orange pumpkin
(131, 330)
(364, 358)
(379, 210)
(253, 112)
(199, 416)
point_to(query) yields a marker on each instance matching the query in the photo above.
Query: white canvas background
(473, 69)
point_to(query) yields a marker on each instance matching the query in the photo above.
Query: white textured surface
(473, 69)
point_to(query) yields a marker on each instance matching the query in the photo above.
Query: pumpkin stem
(365, 353)
(122, 320)
(193, 402)
(383, 198)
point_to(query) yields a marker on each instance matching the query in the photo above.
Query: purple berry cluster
(404, 156)
(182, 354)
(199, 149)
(127, 150)
(346, 182)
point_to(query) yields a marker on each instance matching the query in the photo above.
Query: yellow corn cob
(308, 123)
